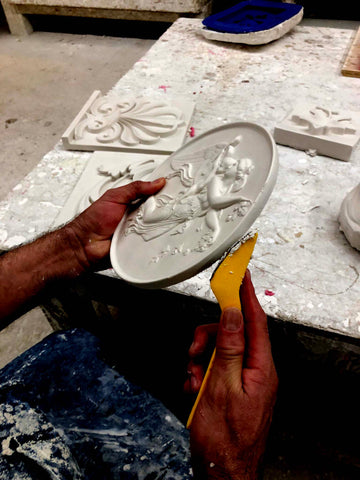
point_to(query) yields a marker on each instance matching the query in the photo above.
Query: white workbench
(301, 257)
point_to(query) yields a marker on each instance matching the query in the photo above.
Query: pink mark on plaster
(269, 293)
(164, 87)
(192, 132)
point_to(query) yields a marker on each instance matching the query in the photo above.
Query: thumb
(138, 189)
(230, 346)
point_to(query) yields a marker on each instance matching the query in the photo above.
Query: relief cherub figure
(214, 186)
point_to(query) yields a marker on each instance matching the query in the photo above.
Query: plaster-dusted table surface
(303, 268)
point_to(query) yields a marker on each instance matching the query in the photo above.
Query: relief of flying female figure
(220, 175)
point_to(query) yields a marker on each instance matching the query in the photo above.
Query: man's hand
(230, 426)
(90, 233)
(67, 252)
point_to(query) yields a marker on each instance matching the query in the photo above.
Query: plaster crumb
(283, 237)
(5, 445)
(45, 452)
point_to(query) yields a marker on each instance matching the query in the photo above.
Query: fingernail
(158, 180)
(232, 319)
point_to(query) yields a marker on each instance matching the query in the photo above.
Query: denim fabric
(65, 414)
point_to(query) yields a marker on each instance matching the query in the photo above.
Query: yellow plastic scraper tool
(225, 283)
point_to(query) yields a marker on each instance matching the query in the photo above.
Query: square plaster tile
(135, 124)
(106, 170)
(330, 133)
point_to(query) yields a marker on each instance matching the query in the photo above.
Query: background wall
(312, 8)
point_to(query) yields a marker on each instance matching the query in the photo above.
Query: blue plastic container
(251, 16)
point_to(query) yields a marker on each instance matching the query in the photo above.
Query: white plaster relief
(349, 217)
(320, 121)
(117, 123)
(216, 186)
(328, 132)
(106, 170)
(208, 190)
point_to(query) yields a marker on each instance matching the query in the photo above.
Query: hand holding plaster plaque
(117, 175)
(105, 170)
(216, 186)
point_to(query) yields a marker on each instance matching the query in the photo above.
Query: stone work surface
(303, 268)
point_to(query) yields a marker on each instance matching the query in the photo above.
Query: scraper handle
(225, 283)
(202, 388)
(205, 379)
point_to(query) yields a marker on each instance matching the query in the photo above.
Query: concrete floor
(45, 78)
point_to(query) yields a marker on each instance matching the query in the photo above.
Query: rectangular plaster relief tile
(136, 124)
(106, 170)
(330, 133)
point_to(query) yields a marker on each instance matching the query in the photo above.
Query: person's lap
(64, 413)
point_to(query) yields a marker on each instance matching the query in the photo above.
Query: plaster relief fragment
(129, 124)
(349, 217)
(328, 132)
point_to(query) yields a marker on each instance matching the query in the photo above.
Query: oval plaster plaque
(217, 184)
